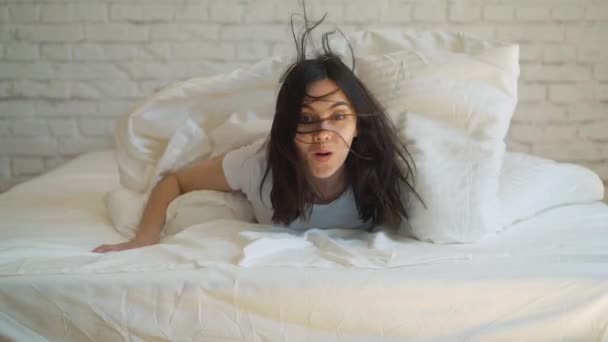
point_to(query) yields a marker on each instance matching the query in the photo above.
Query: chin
(323, 171)
(323, 174)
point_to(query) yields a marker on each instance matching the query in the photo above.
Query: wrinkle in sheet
(19, 329)
(219, 291)
(155, 310)
(72, 323)
(603, 332)
(109, 322)
(593, 309)
(124, 319)
(209, 324)
(176, 300)
(199, 306)
(545, 307)
(282, 324)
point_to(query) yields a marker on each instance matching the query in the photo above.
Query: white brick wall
(69, 68)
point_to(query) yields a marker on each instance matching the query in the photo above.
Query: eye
(339, 116)
(305, 118)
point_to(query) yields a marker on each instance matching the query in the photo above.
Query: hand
(134, 243)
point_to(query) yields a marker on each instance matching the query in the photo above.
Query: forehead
(327, 91)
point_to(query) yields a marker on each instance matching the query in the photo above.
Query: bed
(543, 279)
(540, 272)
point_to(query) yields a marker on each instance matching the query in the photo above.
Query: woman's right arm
(202, 175)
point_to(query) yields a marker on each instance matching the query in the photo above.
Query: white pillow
(475, 91)
(531, 184)
(457, 177)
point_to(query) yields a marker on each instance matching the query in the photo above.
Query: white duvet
(543, 279)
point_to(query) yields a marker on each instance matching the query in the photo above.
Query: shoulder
(250, 155)
(245, 166)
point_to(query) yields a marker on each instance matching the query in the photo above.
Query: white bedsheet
(543, 279)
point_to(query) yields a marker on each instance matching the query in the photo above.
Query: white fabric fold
(199, 117)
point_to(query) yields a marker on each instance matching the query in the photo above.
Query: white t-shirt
(244, 169)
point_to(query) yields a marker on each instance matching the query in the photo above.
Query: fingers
(99, 249)
(111, 248)
(121, 246)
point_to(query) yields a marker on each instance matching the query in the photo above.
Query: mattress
(542, 279)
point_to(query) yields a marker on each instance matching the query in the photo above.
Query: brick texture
(69, 68)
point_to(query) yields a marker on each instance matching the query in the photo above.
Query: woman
(332, 160)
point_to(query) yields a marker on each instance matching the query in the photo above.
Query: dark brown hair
(379, 167)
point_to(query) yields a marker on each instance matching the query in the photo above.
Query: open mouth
(322, 156)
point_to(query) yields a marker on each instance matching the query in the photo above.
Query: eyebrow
(336, 104)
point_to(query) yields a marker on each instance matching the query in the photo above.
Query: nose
(322, 136)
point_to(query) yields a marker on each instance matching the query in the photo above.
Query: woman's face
(326, 129)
